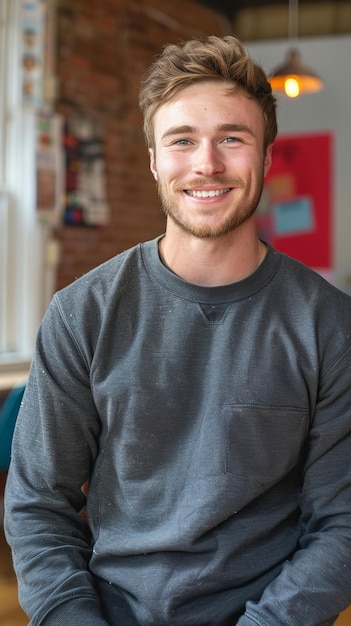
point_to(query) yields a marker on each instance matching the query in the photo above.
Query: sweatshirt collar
(239, 290)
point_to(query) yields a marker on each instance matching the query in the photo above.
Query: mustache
(222, 181)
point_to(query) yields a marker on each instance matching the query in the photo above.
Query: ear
(267, 160)
(153, 163)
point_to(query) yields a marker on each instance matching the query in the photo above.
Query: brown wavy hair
(220, 59)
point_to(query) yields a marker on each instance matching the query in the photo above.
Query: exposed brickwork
(103, 49)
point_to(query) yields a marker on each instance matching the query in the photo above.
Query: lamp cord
(293, 19)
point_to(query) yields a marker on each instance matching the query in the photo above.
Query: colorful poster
(85, 189)
(32, 51)
(295, 213)
(49, 166)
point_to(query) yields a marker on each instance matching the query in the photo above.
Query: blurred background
(75, 186)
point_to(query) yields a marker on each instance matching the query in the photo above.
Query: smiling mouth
(211, 193)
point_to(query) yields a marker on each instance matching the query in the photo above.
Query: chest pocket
(263, 443)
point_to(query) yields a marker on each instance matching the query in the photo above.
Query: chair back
(8, 416)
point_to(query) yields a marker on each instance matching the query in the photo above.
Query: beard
(239, 214)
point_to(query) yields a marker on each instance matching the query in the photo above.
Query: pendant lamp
(292, 77)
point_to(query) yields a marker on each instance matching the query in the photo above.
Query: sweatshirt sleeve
(54, 447)
(314, 586)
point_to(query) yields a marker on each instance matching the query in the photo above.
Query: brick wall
(103, 49)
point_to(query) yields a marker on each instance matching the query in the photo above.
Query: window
(25, 282)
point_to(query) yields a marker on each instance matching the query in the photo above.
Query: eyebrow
(178, 130)
(181, 130)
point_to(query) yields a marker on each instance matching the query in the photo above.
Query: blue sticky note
(294, 216)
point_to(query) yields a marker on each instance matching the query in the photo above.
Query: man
(201, 383)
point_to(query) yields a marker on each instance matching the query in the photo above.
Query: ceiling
(230, 8)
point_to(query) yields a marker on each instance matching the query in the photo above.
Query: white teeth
(207, 194)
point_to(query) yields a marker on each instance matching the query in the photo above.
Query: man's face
(208, 159)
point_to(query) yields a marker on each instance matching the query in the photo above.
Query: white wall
(328, 110)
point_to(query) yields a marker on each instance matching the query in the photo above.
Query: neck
(215, 262)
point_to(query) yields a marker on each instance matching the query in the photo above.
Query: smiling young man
(201, 383)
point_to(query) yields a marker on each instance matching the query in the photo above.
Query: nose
(207, 160)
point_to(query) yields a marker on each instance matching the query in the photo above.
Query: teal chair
(8, 415)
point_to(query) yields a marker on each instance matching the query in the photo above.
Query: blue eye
(232, 140)
(183, 142)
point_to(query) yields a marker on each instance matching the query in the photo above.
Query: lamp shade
(294, 78)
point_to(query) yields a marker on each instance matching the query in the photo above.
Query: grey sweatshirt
(214, 426)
